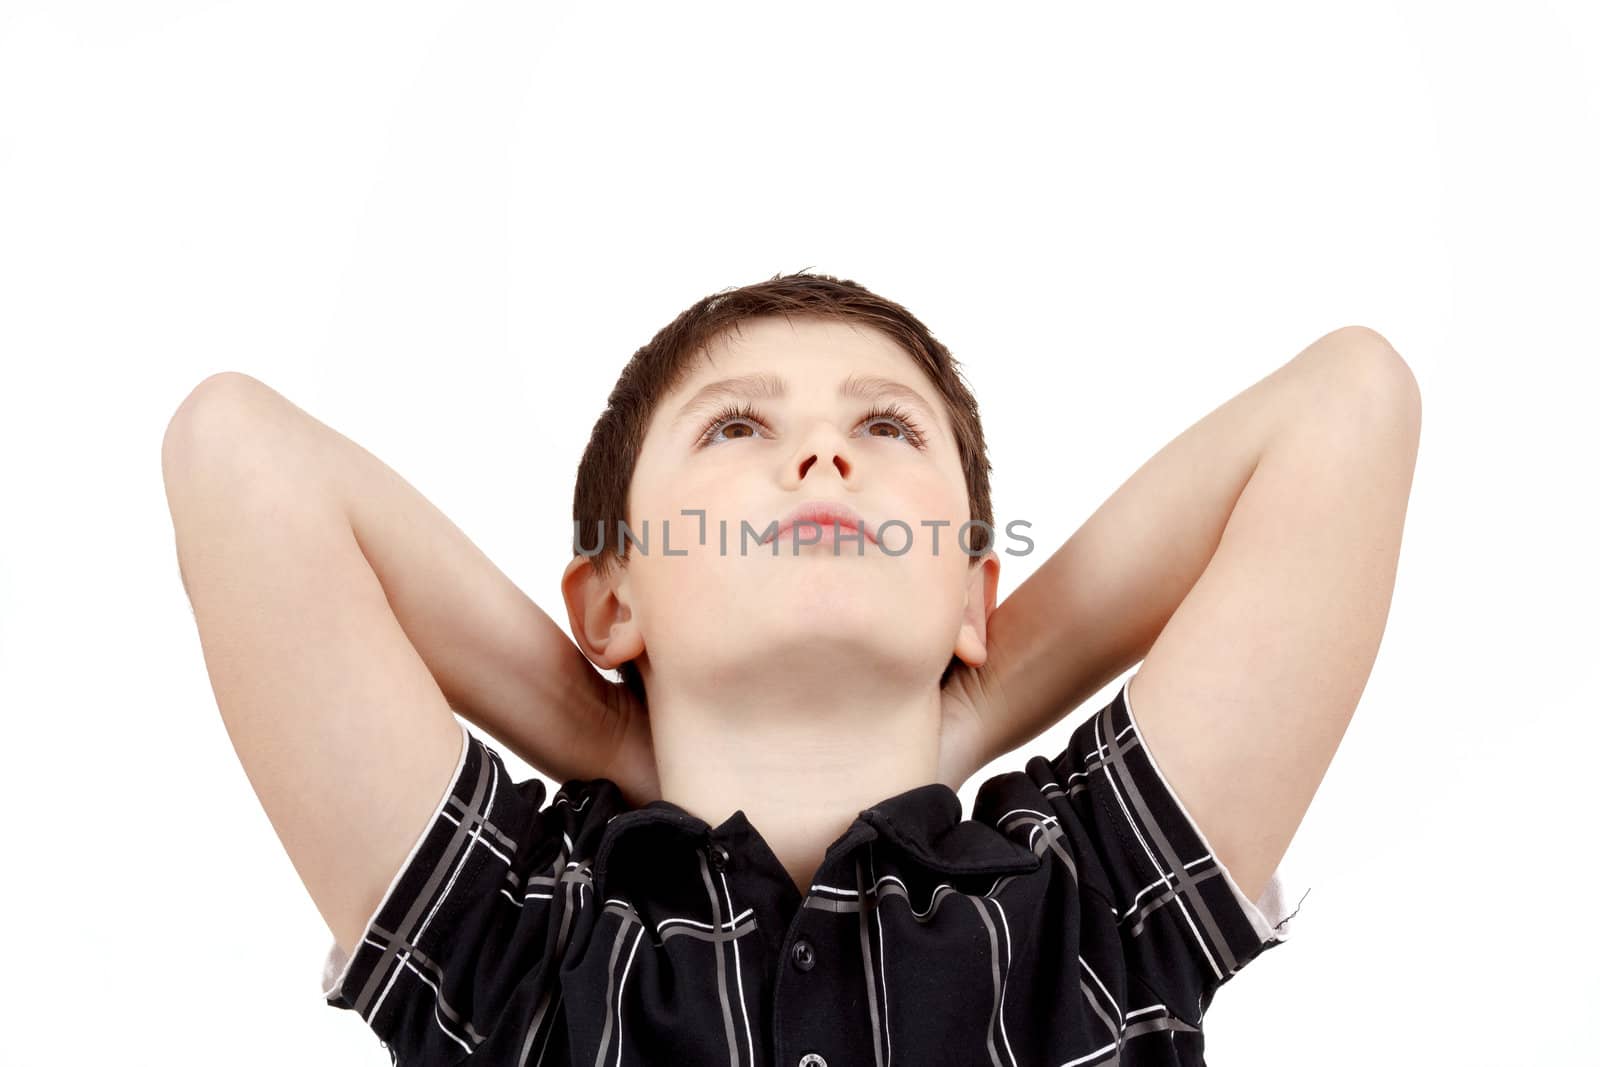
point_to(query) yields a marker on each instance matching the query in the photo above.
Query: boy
(758, 855)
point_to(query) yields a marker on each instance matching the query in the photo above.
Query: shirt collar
(924, 822)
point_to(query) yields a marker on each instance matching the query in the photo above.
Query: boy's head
(666, 444)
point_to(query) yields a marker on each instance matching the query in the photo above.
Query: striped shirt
(1079, 917)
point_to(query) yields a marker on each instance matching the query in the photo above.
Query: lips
(825, 514)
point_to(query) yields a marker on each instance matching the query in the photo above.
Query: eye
(730, 417)
(910, 431)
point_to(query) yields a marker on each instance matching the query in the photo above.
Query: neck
(801, 757)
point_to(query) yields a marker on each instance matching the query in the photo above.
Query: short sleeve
(460, 926)
(1185, 924)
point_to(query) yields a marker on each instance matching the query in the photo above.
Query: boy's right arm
(341, 616)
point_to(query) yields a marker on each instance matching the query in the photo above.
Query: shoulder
(464, 923)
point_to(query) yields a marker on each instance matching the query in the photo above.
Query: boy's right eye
(730, 415)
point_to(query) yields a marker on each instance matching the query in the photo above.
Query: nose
(811, 457)
(823, 444)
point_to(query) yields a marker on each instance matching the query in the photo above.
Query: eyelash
(731, 413)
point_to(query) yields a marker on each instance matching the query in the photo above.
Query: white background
(443, 229)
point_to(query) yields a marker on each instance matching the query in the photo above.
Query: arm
(1096, 606)
(498, 659)
(343, 735)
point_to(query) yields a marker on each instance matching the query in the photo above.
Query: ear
(983, 581)
(603, 624)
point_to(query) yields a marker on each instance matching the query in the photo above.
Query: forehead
(777, 358)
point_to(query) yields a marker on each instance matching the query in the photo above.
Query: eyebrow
(771, 387)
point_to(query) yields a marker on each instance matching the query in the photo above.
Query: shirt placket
(826, 1008)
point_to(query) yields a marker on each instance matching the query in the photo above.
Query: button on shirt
(1078, 917)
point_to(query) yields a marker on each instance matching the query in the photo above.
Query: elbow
(1373, 372)
(206, 417)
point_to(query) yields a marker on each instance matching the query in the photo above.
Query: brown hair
(606, 470)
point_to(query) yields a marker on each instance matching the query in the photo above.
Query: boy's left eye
(731, 416)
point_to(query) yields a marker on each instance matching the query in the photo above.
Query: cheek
(720, 490)
(928, 499)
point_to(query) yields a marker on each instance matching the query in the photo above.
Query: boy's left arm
(1250, 565)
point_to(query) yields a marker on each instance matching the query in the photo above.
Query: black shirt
(1078, 918)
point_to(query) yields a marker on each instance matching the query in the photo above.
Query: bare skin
(800, 686)
(343, 618)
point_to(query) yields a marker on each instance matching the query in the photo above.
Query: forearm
(499, 660)
(1097, 605)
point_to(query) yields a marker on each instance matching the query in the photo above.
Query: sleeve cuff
(336, 964)
(1272, 913)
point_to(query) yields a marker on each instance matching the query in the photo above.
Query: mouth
(825, 518)
(827, 532)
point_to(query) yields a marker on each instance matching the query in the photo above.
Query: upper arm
(1247, 691)
(341, 730)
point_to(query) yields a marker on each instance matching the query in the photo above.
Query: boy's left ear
(983, 581)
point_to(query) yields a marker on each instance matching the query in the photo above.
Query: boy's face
(714, 611)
